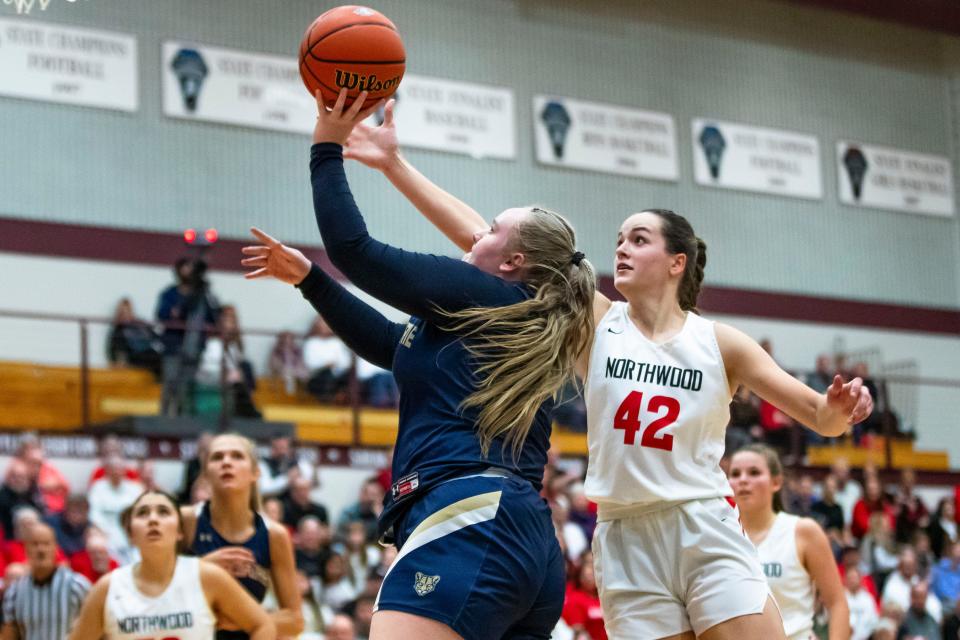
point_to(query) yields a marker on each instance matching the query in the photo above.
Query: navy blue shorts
(479, 554)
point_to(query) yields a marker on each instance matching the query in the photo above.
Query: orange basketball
(352, 47)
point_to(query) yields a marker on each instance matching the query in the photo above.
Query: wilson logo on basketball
(355, 81)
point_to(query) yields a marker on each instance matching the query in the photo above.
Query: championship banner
(68, 65)
(605, 138)
(884, 178)
(748, 158)
(235, 87)
(458, 117)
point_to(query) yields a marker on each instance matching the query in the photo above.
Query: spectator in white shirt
(109, 496)
(282, 465)
(848, 490)
(896, 590)
(327, 359)
(863, 608)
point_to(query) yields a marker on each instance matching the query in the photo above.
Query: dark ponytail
(680, 238)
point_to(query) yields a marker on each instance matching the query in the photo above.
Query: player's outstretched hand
(333, 123)
(274, 259)
(375, 147)
(235, 560)
(851, 398)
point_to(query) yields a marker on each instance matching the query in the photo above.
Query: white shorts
(686, 566)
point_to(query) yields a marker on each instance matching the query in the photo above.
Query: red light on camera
(211, 235)
(190, 236)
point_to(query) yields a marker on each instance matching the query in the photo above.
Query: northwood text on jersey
(662, 375)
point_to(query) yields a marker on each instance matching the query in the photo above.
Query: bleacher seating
(36, 396)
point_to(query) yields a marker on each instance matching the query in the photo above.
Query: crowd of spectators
(899, 557)
(753, 419)
(195, 347)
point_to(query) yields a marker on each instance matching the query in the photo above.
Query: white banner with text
(605, 138)
(235, 87)
(884, 178)
(68, 65)
(738, 156)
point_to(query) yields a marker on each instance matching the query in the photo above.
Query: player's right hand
(235, 560)
(376, 147)
(273, 258)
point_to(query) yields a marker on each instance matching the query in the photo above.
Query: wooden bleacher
(902, 452)
(45, 397)
(48, 397)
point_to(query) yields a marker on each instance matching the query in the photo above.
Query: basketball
(352, 47)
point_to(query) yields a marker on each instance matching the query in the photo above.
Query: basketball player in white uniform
(794, 551)
(165, 596)
(671, 560)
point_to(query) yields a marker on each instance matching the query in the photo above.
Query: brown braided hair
(680, 238)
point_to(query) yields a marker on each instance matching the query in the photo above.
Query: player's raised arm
(829, 414)
(377, 147)
(229, 600)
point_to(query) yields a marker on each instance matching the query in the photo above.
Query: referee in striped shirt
(43, 604)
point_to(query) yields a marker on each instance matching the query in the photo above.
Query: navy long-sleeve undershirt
(435, 371)
(415, 283)
(361, 327)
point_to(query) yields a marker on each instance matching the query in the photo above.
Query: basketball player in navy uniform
(165, 595)
(230, 531)
(490, 341)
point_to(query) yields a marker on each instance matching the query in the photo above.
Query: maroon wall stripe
(935, 15)
(111, 244)
(152, 248)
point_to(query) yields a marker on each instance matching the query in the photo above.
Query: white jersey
(791, 584)
(657, 415)
(180, 612)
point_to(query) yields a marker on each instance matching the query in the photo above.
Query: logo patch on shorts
(424, 584)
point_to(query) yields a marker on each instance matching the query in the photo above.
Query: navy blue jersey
(206, 539)
(437, 438)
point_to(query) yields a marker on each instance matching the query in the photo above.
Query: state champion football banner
(749, 158)
(235, 87)
(894, 179)
(68, 65)
(605, 138)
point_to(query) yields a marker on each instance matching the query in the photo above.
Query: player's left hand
(273, 258)
(851, 398)
(333, 123)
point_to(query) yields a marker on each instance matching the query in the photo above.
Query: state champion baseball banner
(605, 138)
(885, 178)
(457, 117)
(235, 87)
(68, 65)
(727, 155)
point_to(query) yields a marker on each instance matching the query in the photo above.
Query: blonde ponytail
(526, 351)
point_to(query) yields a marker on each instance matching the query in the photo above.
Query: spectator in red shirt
(15, 551)
(777, 428)
(873, 501)
(912, 513)
(110, 446)
(94, 561)
(53, 487)
(581, 605)
(850, 559)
